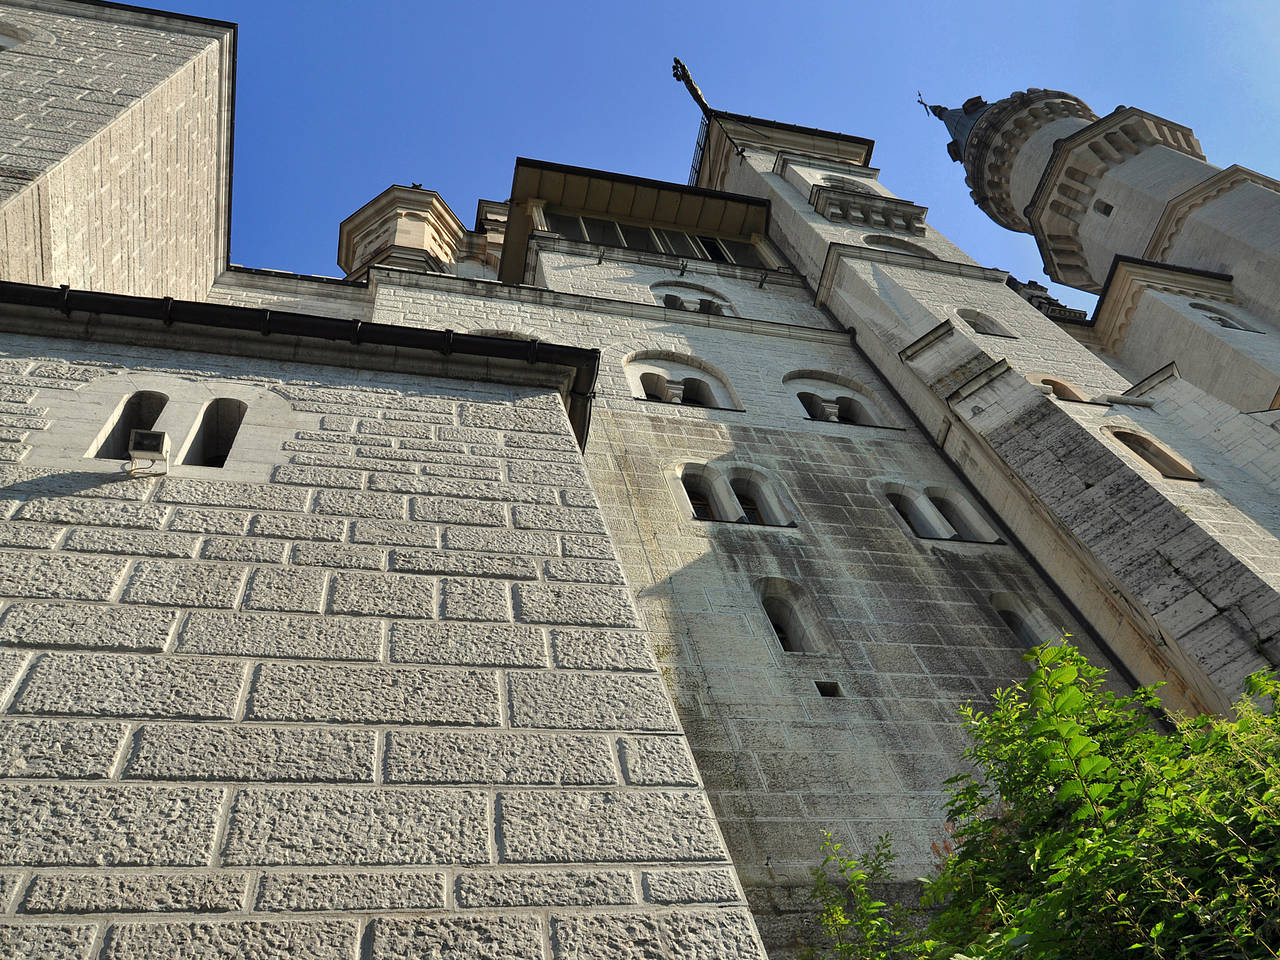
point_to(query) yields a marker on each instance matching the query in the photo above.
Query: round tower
(1088, 188)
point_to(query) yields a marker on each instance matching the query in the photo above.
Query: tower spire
(958, 121)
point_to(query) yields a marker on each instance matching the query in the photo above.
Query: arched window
(982, 323)
(1222, 318)
(678, 378)
(211, 444)
(790, 615)
(655, 387)
(962, 518)
(1025, 621)
(852, 410)
(1020, 627)
(920, 523)
(880, 242)
(138, 412)
(691, 297)
(696, 392)
(1060, 388)
(1154, 454)
(815, 406)
(830, 397)
(751, 512)
(699, 499)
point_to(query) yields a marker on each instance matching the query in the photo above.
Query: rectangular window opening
(828, 688)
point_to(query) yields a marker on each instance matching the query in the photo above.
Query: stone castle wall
(107, 115)
(394, 695)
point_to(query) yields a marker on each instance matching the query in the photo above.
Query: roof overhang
(731, 130)
(619, 197)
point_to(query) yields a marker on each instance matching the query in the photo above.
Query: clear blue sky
(336, 101)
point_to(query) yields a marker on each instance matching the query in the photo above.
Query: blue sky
(336, 101)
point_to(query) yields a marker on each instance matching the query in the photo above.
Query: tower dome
(1006, 145)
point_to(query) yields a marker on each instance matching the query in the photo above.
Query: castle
(546, 588)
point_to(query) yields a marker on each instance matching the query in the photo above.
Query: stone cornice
(1131, 279)
(495, 290)
(841, 205)
(847, 251)
(1181, 207)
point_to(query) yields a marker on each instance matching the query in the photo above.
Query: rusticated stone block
(468, 644)
(58, 748)
(553, 474)
(517, 543)
(130, 542)
(466, 512)
(318, 476)
(287, 590)
(95, 512)
(460, 489)
(395, 533)
(420, 756)
(657, 761)
(472, 599)
(29, 536)
(342, 556)
(513, 418)
(588, 606)
(106, 825)
(401, 890)
(46, 941)
(583, 571)
(228, 523)
(244, 550)
(230, 493)
(383, 595)
(684, 935)
(59, 577)
(349, 503)
(588, 548)
(230, 940)
(537, 888)
(556, 518)
(590, 701)
(340, 826)
(690, 886)
(477, 565)
(182, 751)
(81, 684)
(509, 937)
(600, 650)
(135, 893)
(351, 694)
(161, 582)
(271, 635)
(85, 625)
(608, 826)
(293, 527)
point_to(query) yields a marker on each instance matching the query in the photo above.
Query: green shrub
(1085, 832)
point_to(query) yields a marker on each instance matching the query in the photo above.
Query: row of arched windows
(736, 493)
(207, 444)
(663, 376)
(739, 493)
(796, 623)
(936, 513)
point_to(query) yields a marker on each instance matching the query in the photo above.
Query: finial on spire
(680, 72)
(958, 121)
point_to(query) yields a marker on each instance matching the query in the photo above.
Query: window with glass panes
(610, 233)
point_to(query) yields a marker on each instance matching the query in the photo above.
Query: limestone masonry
(546, 588)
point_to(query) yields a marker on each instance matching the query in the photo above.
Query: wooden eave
(615, 196)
